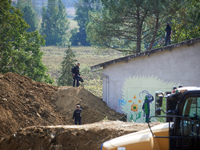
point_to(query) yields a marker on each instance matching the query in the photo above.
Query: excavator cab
(183, 115)
(179, 112)
(186, 129)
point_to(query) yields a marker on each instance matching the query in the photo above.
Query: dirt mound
(84, 137)
(94, 109)
(24, 102)
(34, 109)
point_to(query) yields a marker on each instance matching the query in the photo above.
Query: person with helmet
(77, 115)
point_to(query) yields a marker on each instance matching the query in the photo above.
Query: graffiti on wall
(137, 100)
(146, 105)
(121, 102)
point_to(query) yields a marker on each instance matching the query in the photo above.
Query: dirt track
(31, 112)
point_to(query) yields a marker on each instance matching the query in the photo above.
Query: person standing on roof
(168, 34)
(75, 73)
(77, 115)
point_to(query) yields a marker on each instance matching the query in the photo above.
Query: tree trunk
(138, 47)
(155, 31)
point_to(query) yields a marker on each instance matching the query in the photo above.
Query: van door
(188, 130)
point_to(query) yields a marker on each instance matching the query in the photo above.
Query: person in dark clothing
(168, 34)
(77, 115)
(75, 73)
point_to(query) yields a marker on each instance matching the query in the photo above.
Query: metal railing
(188, 127)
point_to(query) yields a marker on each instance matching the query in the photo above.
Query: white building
(129, 79)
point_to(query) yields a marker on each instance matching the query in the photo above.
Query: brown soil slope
(24, 102)
(31, 111)
(94, 109)
(84, 137)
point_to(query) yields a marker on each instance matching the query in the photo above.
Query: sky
(70, 11)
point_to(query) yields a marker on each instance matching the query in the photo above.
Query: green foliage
(29, 14)
(86, 72)
(132, 25)
(83, 7)
(19, 50)
(22, 3)
(186, 22)
(67, 64)
(74, 39)
(31, 18)
(55, 23)
(120, 24)
(93, 80)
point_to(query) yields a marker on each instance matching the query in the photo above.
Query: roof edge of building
(147, 53)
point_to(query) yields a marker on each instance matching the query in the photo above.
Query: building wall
(129, 82)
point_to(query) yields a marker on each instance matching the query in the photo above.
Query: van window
(192, 107)
(189, 125)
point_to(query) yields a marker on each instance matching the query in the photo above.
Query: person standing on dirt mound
(77, 115)
(75, 73)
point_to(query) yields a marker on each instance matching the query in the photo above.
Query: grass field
(86, 56)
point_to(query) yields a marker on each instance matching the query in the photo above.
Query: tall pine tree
(29, 14)
(125, 25)
(67, 64)
(30, 17)
(83, 7)
(55, 23)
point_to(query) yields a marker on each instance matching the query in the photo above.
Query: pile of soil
(84, 137)
(31, 112)
(24, 102)
(93, 108)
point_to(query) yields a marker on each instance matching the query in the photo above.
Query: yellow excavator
(181, 130)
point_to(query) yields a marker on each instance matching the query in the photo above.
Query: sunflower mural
(134, 107)
(131, 94)
(135, 114)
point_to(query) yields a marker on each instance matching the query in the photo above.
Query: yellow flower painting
(134, 107)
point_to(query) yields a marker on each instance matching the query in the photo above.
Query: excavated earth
(38, 116)
(68, 137)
